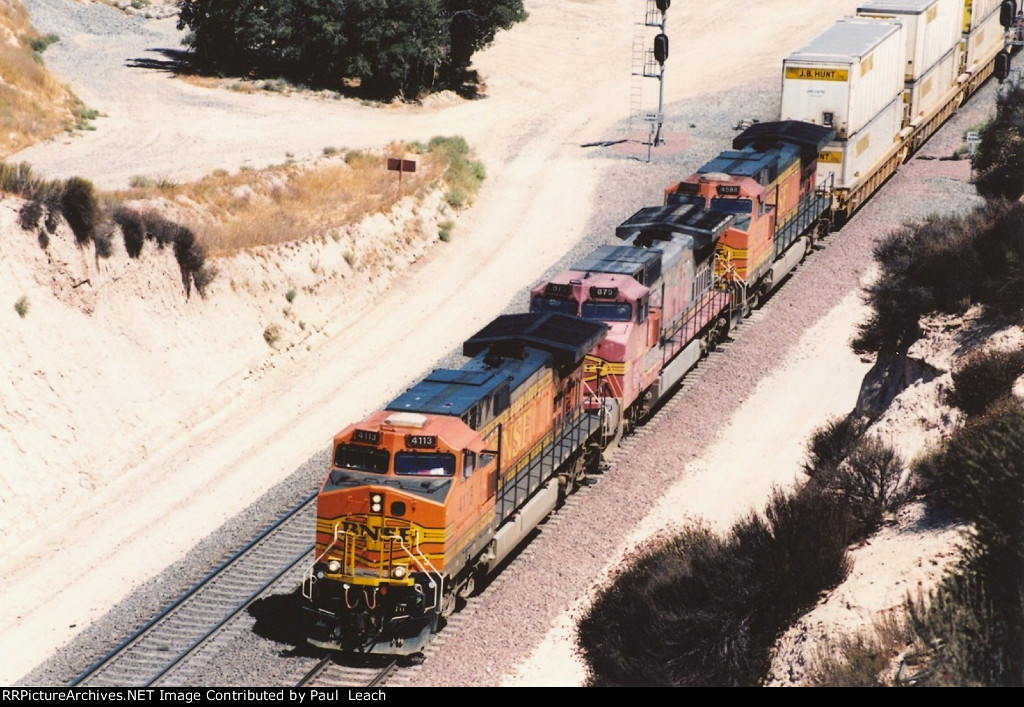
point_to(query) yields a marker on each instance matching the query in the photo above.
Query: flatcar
(427, 497)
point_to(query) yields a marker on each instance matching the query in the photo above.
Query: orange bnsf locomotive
(686, 271)
(428, 496)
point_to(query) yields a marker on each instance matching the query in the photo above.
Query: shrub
(983, 377)
(203, 277)
(973, 622)
(464, 174)
(41, 44)
(80, 208)
(701, 610)
(872, 482)
(103, 244)
(968, 639)
(132, 230)
(979, 475)
(866, 476)
(272, 334)
(830, 445)
(864, 659)
(290, 295)
(30, 214)
(944, 265)
(21, 307)
(999, 161)
(444, 230)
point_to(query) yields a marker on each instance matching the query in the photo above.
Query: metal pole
(658, 139)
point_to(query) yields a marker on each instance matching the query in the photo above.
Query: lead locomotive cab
(428, 496)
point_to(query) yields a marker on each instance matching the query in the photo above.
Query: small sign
(973, 140)
(397, 165)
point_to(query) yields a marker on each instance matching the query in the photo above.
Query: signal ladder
(643, 64)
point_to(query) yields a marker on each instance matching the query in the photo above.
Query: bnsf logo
(376, 533)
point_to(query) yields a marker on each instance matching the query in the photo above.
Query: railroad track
(353, 672)
(159, 651)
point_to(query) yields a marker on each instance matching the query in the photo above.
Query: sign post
(399, 165)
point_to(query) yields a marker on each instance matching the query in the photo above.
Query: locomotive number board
(366, 437)
(421, 441)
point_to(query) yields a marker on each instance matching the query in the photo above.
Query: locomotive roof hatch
(568, 339)
(810, 138)
(683, 217)
(642, 265)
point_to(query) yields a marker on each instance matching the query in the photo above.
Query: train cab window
(641, 311)
(608, 311)
(468, 463)
(351, 456)
(541, 304)
(424, 464)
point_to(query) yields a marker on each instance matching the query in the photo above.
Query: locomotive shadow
(280, 618)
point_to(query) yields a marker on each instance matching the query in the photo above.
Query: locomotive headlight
(398, 572)
(334, 566)
(376, 502)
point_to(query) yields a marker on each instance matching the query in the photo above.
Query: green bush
(944, 264)
(21, 307)
(272, 334)
(865, 475)
(968, 638)
(984, 377)
(999, 161)
(41, 44)
(81, 208)
(138, 227)
(464, 175)
(702, 610)
(132, 230)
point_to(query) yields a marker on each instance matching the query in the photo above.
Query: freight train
(426, 498)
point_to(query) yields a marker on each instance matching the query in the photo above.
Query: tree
(385, 47)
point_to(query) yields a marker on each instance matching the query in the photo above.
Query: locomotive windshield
(424, 464)
(350, 456)
(732, 206)
(542, 303)
(608, 311)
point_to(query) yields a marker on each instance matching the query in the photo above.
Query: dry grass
(880, 656)
(33, 105)
(232, 212)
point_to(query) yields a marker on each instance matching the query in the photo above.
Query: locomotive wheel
(469, 586)
(448, 602)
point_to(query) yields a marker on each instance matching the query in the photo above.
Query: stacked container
(983, 36)
(851, 78)
(933, 30)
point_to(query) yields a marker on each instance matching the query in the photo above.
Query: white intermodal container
(977, 11)
(850, 161)
(984, 40)
(846, 75)
(933, 89)
(933, 27)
